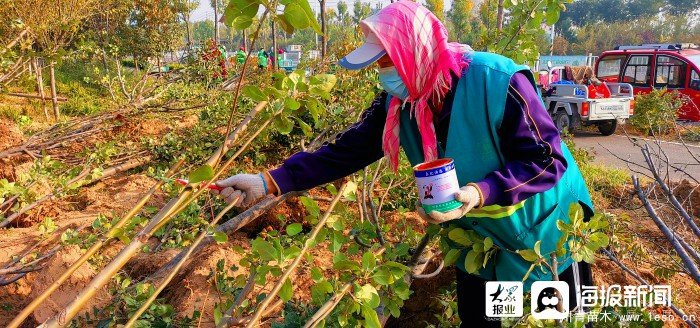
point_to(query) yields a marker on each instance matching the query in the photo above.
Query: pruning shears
(211, 186)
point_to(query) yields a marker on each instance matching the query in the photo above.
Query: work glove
(470, 197)
(244, 189)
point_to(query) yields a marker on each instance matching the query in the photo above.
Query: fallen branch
(178, 266)
(26, 95)
(691, 267)
(52, 196)
(307, 244)
(17, 321)
(678, 311)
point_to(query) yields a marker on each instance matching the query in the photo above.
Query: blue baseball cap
(365, 55)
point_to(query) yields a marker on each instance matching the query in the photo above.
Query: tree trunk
(324, 36)
(216, 21)
(275, 64)
(40, 86)
(54, 99)
(189, 33)
(499, 16)
(245, 42)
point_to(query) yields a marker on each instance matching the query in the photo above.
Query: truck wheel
(562, 121)
(607, 128)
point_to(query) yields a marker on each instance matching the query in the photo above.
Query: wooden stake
(40, 86)
(54, 99)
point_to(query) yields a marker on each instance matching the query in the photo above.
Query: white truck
(571, 106)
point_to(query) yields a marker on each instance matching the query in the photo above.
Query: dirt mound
(420, 309)
(291, 211)
(197, 292)
(67, 292)
(118, 194)
(10, 136)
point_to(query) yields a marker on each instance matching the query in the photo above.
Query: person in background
(482, 110)
(280, 57)
(262, 59)
(240, 56)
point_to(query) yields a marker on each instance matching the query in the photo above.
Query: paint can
(437, 184)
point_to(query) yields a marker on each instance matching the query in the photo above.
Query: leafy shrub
(655, 112)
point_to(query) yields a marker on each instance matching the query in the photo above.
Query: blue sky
(205, 11)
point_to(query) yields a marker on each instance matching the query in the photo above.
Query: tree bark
(216, 21)
(54, 98)
(499, 16)
(40, 85)
(245, 43)
(324, 36)
(275, 64)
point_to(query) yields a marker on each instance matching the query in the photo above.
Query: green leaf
(369, 295)
(265, 249)
(459, 236)
(316, 274)
(537, 248)
(452, 256)
(561, 251)
(368, 261)
(350, 191)
(295, 15)
(293, 229)
(284, 24)
(220, 237)
(324, 81)
(371, 318)
(291, 104)
(202, 173)
(241, 22)
(286, 290)
(314, 108)
(527, 274)
(253, 92)
(217, 315)
(283, 124)
(310, 15)
(319, 291)
(383, 276)
(473, 261)
(305, 128)
(488, 243)
(311, 206)
(275, 93)
(238, 12)
(528, 255)
(552, 15)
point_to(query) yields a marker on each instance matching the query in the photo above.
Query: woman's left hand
(468, 195)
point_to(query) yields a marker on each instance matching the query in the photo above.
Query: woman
(443, 100)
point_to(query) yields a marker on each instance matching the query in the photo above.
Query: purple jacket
(528, 140)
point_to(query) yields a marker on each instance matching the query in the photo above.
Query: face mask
(391, 82)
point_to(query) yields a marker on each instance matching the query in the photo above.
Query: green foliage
(296, 14)
(456, 241)
(655, 112)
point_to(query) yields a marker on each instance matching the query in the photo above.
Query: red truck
(653, 66)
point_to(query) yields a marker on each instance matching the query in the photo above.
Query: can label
(437, 183)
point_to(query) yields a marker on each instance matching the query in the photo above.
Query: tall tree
(360, 11)
(460, 15)
(437, 7)
(343, 15)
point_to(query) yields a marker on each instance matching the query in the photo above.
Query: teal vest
(474, 144)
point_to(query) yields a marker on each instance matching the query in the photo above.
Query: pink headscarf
(416, 41)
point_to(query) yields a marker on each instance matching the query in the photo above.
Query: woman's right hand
(243, 189)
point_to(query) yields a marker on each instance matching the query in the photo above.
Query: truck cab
(654, 66)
